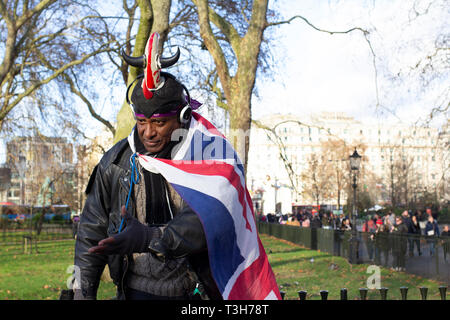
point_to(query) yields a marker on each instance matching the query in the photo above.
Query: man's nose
(149, 131)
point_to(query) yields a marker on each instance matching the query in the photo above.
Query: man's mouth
(151, 143)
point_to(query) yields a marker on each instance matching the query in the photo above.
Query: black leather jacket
(107, 192)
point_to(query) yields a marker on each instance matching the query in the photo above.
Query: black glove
(134, 238)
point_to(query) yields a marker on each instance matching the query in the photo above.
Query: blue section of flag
(225, 255)
(212, 148)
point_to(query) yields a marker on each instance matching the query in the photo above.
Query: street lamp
(355, 161)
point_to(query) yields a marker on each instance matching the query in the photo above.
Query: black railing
(399, 252)
(21, 240)
(302, 294)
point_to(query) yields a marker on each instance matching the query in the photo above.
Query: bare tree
(42, 43)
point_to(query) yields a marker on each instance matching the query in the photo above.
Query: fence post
(443, 291)
(404, 292)
(383, 293)
(423, 292)
(302, 294)
(363, 293)
(324, 294)
(344, 294)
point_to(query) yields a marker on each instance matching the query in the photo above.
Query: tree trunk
(238, 88)
(240, 123)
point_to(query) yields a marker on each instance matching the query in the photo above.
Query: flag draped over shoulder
(208, 174)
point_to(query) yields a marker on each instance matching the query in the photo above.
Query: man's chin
(153, 148)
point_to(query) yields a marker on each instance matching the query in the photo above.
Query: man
(161, 215)
(399, 244)
(445, 235)
(147, 223)
(431, 233)
(407, 221)
(369, 228)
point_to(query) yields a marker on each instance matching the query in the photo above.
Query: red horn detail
(152, 69)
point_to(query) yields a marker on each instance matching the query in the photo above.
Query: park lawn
(295, 271)
(42, 276)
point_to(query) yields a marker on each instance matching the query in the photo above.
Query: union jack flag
(208, 174)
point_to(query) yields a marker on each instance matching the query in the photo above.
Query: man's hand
(134, 238)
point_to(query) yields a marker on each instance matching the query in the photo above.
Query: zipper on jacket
(124, 182)
(125, 259)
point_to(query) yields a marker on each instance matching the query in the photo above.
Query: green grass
(40, 276)
(43, 275)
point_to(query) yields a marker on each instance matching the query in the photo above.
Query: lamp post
(355, 161)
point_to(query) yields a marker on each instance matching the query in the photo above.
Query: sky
(314, 71)
(323, 72)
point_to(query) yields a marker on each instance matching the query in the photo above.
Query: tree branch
(365, 33)
(94, 114)
(6, 109)
(213, 45)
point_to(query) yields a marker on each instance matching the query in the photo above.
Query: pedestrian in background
(414, 233)
(346, 225)
(399, 244)
(369, 228)
(315, 222)
(445, 235)
(381, 243)
(431, 233)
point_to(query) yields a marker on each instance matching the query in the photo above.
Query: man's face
(155, 133)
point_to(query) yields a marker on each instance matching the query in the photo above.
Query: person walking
(369, 228)
(399, 244)
(431, 233)
(414, 233)
(445, 241)
(381, 240)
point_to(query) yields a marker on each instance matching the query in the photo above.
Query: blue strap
(134, 179)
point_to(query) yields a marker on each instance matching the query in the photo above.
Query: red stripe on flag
(208, 125)
(256, 281)
(217, 169)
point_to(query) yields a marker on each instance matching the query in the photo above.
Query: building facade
(37, 164)
(291, 156)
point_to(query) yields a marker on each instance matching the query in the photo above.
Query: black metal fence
(302, 295)
(425, 256)
(23, 240)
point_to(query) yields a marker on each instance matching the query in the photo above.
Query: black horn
(134, 61)
(167, 62)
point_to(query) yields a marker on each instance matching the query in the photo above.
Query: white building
(422, 153)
